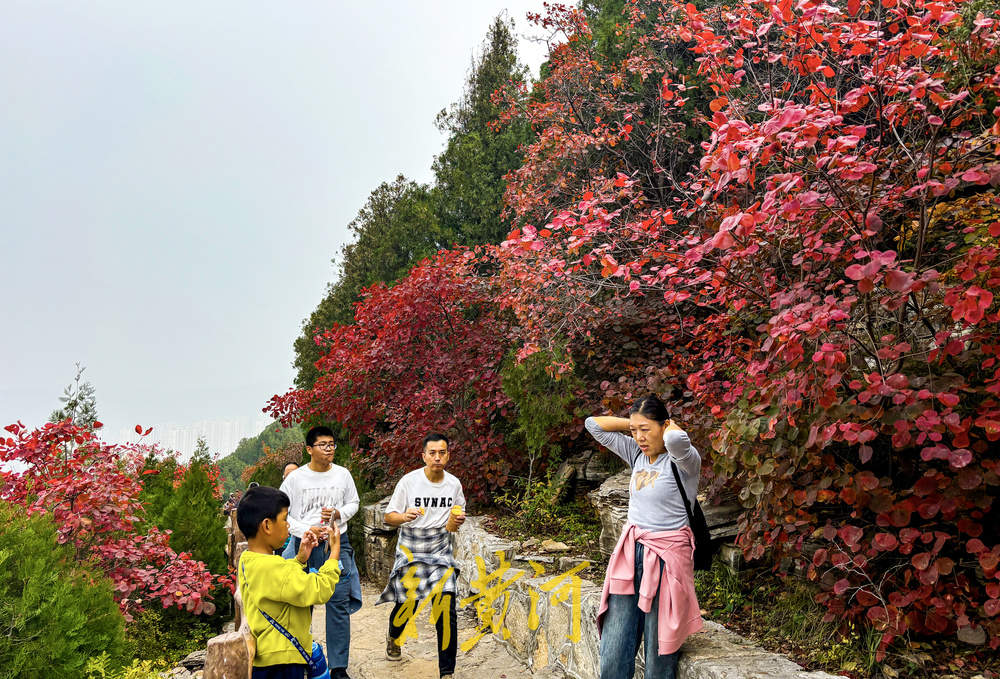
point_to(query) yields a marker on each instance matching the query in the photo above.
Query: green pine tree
(56, 613)
(394, 230)
(469, 173)
(157, 477)
(79, 402)
(195, 517)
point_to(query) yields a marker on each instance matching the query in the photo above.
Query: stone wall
(378, 550)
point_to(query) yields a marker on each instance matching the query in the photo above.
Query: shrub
(91, 491)
(157, 477)
(544, 400)
(56, 612)
(269, 469)
(102, 667)
(165, 635)
(194, 515)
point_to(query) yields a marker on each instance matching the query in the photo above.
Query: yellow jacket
(287, 593)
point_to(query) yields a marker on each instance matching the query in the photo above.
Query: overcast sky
(175, 179)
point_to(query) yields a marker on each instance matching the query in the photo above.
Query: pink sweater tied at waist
(678, 614)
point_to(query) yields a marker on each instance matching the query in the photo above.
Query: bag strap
(276, 625)
(680, 487)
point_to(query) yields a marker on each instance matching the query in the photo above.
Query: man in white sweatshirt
(322, 492)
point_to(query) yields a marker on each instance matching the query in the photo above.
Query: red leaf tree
(91, 491)
(423, 355)
(823, 265)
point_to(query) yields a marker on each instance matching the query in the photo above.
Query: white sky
(175, 179)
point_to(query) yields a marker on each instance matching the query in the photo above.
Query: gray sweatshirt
(654, 502)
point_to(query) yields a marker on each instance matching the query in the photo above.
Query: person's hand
(309, 541)
(320, 532)
(334, 541)
(458, 520)
(325, 513)
(411, 514)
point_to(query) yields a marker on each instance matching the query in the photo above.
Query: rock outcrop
(611, 503)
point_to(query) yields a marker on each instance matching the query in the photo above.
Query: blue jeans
(279, 672)
(338, 613)
(624, 626)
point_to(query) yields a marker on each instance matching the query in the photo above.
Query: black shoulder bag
(704, 547)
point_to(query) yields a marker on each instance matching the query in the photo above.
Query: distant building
(222, 436)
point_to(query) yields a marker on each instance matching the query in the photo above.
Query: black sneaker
(339, 673)
(393, 651)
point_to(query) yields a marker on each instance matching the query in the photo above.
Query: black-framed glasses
(326, 445)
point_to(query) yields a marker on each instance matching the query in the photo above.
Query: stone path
(489, 658)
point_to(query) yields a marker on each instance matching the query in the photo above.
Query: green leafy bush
(56, 613)
(158, 635)
(536, 510)
(102, 667)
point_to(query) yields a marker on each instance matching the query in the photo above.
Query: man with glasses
(322, 492)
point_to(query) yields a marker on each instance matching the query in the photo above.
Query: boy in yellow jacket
(281, 588)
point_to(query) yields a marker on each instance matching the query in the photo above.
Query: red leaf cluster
(91, 491)
(823, 263)
(423, 355)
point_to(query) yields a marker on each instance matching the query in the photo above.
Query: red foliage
(276, 458)
(423, 355)
(827, 265)
(91, 491)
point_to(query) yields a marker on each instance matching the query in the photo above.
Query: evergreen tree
(157, 478)
(469, 173)
(56, 612)
(403, 222)
(195, 517)
(79, 402)
(394, 230)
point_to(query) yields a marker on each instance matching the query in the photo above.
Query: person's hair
(259, 503)
(316, 432)
(435, 436)
(652, 407)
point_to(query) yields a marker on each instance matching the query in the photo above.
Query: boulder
(472, 541)
(611, 503)
(373, 517)
(176, 673)
(238, 552)
(194, 661)
(590, 467)
(379, 556)
(551, 546)
(238, 535)
(974, 636)
(228, 657)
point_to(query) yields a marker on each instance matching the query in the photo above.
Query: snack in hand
(456, 511)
